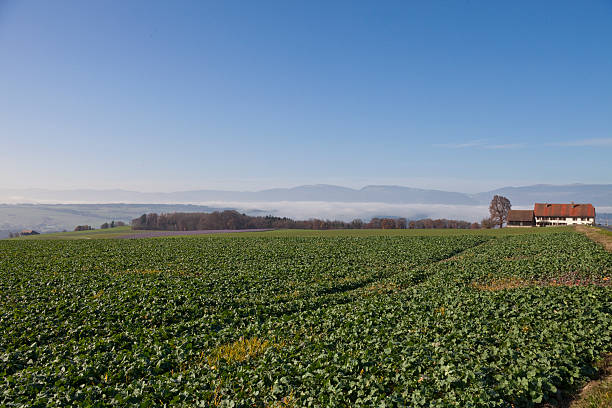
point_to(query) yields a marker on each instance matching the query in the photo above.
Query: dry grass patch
(597, 235)
(568, 279)
(148, 272)
(518, 258)
(98, 294)
(287, 402)
(502, 284)
(139, 272)
(457, 257)
(285, 297)
(382, 287)
(239, 351)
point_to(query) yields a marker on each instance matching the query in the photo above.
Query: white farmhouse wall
(566, 221)
(580, 221)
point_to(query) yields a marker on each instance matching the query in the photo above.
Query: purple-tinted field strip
(154, 234)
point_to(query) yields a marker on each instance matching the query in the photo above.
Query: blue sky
(163, 96)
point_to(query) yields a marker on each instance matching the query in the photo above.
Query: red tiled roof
(564, 210)
(520, 215)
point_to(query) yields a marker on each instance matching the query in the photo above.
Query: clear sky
(165, 96)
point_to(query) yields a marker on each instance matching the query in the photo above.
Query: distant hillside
(59, 217)
(597, 194)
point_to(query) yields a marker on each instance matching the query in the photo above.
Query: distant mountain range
(597, 194)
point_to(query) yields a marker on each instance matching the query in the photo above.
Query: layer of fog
(348, 211)
(301, 210)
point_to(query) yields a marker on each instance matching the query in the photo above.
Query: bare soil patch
(568, 279)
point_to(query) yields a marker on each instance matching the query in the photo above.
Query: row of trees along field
(112, 224)
(234, 220)
(106, 225)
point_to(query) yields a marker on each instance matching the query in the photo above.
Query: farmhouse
(521, 218)
(563, 214)
(28, 232)
(552, 214)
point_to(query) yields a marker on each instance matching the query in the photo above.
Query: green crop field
(510, 318)
(92, 234)
(126, 230)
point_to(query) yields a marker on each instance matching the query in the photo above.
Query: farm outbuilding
(521, 218)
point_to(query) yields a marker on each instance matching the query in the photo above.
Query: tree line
(233, 220)
(106, 225)
(112, 224)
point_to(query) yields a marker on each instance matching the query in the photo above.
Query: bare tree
(487, 223)
(499, 208)
(357, 223)
(400, 223)
(387, 223)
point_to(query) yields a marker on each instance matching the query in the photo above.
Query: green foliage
(327, 320)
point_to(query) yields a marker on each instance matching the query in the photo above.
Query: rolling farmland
(291, 319)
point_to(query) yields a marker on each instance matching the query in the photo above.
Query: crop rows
(302, 321)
